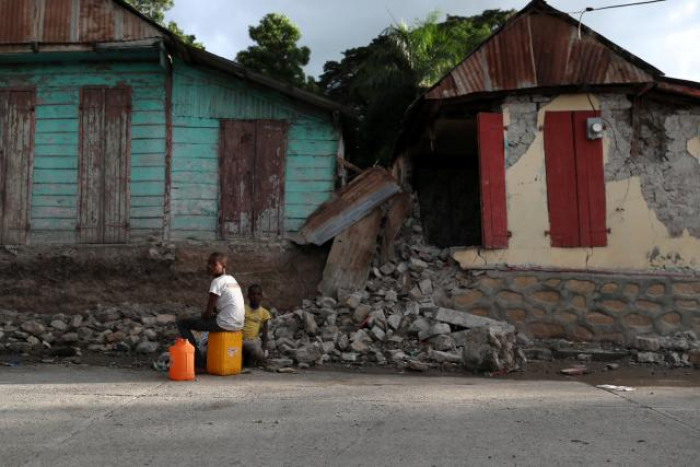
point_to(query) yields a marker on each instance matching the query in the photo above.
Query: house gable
(540, 47)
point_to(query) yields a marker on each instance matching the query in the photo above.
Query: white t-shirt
(230, 304)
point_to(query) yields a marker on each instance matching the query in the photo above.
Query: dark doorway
(446, 172)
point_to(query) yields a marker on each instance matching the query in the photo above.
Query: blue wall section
(200, 99)
(55, 189)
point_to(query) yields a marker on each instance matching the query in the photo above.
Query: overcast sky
(665, 34)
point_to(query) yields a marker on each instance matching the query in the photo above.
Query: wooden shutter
(104, 165)
(269, 177)
(237, 161)
(562, 196)
(590, 177)
(16, 164)
(492, 172)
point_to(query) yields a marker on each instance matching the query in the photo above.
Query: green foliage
(382, 79)
(155, 9)
(276, 53)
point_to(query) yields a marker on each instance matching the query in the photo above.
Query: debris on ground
(575, 371)
(610, 387)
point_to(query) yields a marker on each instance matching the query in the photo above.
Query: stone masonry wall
(580, 306)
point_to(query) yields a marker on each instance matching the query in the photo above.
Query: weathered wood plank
(48, 176)
(201, 223)
(209, 166)
(351, 256)
(303, 161)
(55, 189)
(195, 192)
(54, 224)
(54, 201)
(196, 208)
(148, 118)
(44, 138)
(399, 208)
(67, 125)
(307, 198)
(147, 188)
(147, 131)
(56, 111)
(140, 212)
(148, 146)
(311, 174)
(148, 160)
(188, 150)
(312, 131)
(54, 150)
(52, 237)
(39, 212)
(312, 148)
(195, 179)
(146, 201)
(147, 174)
(196, 135)
(310, 187)
(150, 224)
(56, 163)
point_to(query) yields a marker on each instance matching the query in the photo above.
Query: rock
(426, 287)
(76, 321)
(105, 316)
(649, 357)
(694, 356)
(391, 296)
(434, 330)
(394, 321)
(419, 325)
(308, 353)
(647, 343)
(469, 321)
(489, 349)
(59, 325)
(353, 300)
(115, 337)
(412, 309)
(377, 333)
(33, 341)
(443, 342)
(310, 324)
(122, 347)
(148, 320)
(275, 363)
(164, 320)
(70, 337)
(343, 342)
(612, 366)
(415, 365)
(326, 302)
(388, 269)
(149, 334)
(397, 356)
(359, 346)
(147, 347)
(415, 294)
(33, 327)
(416, 264)
(361, 312)
(444, 357)
(350, 357)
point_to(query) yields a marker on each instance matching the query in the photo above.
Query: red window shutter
(492, 170)
(562, 195)
(590, 176)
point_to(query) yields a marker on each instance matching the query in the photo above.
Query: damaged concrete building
(564, 174)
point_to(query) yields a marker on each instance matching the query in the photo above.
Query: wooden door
(269, 177)
(104, 165)
(237, 162)
(16, 164)
(252, 177)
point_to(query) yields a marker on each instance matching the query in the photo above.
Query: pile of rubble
(126, 328)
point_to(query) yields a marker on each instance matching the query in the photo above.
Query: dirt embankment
(71, 279)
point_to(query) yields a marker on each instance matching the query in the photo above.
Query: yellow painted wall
(638, 240)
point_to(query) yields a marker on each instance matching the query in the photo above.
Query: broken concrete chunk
(444, 357)
(469, 321)
(377, 333)
(394, 321)
(426, 287)
(647, 343)
(33, 327)
(434, 330)
(147, 347)
(443, 342)
(391, 296)
(361, 312)
(419, 325)
(349, 357)
(415, 365)
(415, 294)
(310, 324)
(353, 300)
(59, 325)
(308, 353)
(388, 269)
(417, 264)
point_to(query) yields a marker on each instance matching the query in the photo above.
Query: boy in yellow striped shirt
(256, 318)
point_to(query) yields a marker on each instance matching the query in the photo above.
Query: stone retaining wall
(583, 306)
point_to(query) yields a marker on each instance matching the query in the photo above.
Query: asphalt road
(79, 416)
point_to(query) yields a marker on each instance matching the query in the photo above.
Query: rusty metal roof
(352, 203)
(68, 21)
(538, 48)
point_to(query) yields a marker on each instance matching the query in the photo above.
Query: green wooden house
(113, 131)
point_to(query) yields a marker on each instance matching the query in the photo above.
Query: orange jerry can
(181, 361)
(225, 353)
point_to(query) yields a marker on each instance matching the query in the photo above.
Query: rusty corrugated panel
(15, 21)
(541, 47)
(96, 20)
(57, 14)
(351, 204)
(347, 267)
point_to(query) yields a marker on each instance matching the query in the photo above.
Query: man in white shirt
(225, 297)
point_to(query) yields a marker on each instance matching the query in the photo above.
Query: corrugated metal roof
(351, 204)
(540, 47)
(69, 21)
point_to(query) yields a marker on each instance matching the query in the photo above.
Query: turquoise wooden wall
(55, 185)
(200, 99)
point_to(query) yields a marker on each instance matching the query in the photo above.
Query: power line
(609, 7)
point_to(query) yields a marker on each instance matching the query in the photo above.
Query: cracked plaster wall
(653, 199)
